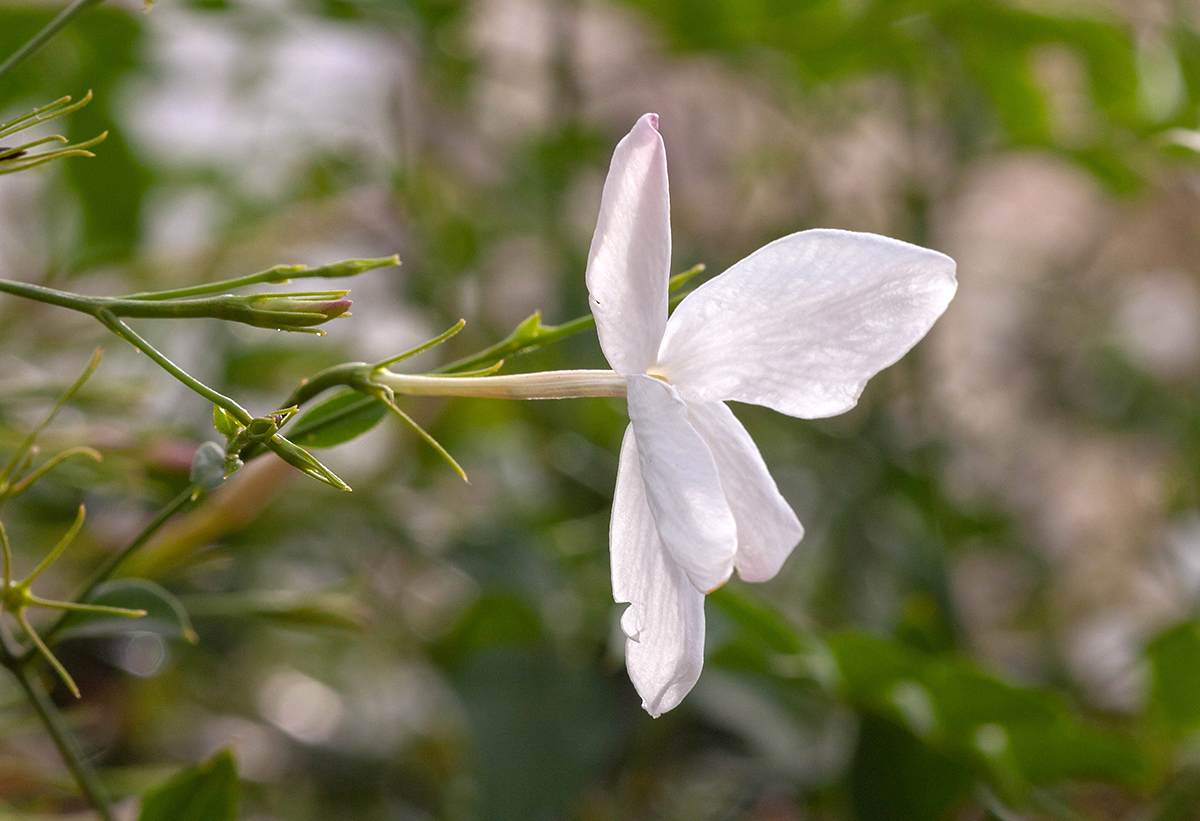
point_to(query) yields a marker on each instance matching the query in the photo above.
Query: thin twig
(85, 775)
(34, 44)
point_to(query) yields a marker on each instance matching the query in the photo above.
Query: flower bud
(294, 311)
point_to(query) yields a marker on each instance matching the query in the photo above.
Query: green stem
(42, 37)
(26, 446)
(129, 335)
(225, 306)
(517, 343)
(52, 296)
(275, 276)
(106, 310)
(85, 775)
(106, 570)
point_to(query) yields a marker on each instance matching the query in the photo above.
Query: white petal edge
(683, 487)
(767, 527)
(629, 264)
(801, 324)
(664, 623)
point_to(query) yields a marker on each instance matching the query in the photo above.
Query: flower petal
(801, 324)
(664, 623)
(629, 264)
(683, 487)
(767, 528)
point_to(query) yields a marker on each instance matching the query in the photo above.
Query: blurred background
(991, 614)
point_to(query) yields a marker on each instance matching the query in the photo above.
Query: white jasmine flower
(800, 326)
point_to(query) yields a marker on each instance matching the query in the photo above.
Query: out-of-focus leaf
(964, 53)
(542, 728)
(895, 777)
(1036, 734)
(1010, 736)
(1110, 167)
(342, 417)
(321, 608)
(206, 792)
(165, 615)
(94, 52)
(493, 619)
(1187, 48)
(1180, 800)
(756, 616)
(1175, 689)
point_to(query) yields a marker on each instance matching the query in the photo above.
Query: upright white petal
(683, 487)
(801, 324)
(767, 528)
(629, 264)
(664, 623)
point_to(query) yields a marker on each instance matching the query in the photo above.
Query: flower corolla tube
(800, 326)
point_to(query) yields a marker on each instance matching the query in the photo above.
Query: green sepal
(304, 462)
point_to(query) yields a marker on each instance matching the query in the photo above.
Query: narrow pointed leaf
(165, 615)
(324, 608)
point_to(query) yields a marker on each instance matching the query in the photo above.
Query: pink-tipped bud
(293, 311)
(335, 308)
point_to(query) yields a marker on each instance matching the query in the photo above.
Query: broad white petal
(629, 264)
(664, 623)
(801, 324)
(767, 528)
(683, 487)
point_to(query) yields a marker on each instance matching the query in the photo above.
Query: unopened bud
(291, 311)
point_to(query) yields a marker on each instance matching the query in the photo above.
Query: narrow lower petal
(767, 527)
(629, 264)
(683, 487)
(801, 324)
(664, 623)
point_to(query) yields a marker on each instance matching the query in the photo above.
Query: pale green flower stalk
(570, 384)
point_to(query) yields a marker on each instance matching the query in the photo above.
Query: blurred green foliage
(427, 649)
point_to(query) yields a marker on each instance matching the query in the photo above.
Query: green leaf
(1038, 738)
(342, 417)
(206, 792)
(225, 424)
(165, 615)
